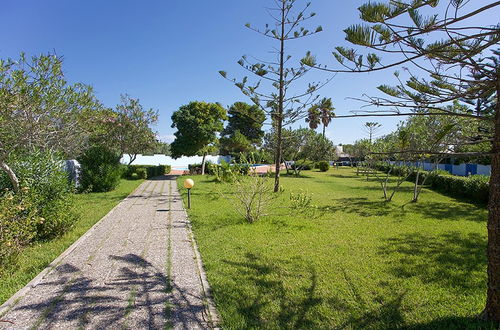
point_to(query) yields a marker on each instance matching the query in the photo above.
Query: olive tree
(40, 110)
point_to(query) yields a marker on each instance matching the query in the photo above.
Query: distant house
(344, 158)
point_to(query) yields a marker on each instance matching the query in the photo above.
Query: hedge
(474, 187)
(146, 171)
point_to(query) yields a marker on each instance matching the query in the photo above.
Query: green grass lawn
(91, 208)
(356, 263)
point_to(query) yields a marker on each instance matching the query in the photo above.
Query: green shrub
(141, 173)
(146, 171)
(305, 165)
(134, 176)
(301, 200)
(164, 169)
(222, 172)
(323, 166)
(475, 187)
(43, 207)
(100, 169)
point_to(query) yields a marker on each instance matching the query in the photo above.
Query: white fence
(179, 163)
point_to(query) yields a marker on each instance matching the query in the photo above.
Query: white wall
(166, 160)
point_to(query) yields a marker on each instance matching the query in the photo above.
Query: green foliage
(197, 124)
(42, 208)
(244, 129)
(18, 220)
(226, 172)
(301, 200)
(235, 144)
(22, 267)
(475, 187)
(129, 127)
(39, 109)
(141, 172)
(222, 172)
(303, 146)
(146, 171)
(101, 170)
(323, 166)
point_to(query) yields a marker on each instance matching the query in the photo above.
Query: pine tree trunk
(492, 310)
(12, 176)
(279, 117)
(203, 164)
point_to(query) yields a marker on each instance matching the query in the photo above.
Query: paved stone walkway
(138, 268)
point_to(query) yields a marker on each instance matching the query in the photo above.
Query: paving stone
(138, 268)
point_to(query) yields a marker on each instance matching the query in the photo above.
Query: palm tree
(326, 109)
(313, 117)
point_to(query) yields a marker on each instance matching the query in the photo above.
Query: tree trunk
(492, 310)
(415, 187)
(324, 128)
(12, 176)
(279, 117)
(132, 158)
(203, 164)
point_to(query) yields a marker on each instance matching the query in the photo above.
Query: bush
(141, 173)
(196, 168)
(323, 166)
(475, 187)
(305, 165)
(146, 171)
(41, 210)
(101, 170)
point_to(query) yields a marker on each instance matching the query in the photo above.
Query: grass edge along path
(91, 208)
(356, 263)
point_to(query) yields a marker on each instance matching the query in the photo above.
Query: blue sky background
(168, 53)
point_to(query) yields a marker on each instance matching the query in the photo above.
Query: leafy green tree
(278, 102)
(301, 146)
(456, 56)
(39, 110)
(131, 128)
(235, 144)
(197, 126)
(244, 129)
(162, 148)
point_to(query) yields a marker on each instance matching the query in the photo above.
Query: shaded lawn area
(357, 262)
(32, 260)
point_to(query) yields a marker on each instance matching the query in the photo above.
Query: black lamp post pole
(189, 198)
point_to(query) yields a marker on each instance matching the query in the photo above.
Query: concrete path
(138, 268)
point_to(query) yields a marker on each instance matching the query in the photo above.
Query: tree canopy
(197, 124)
(244, 128)
(131, 127)
(40, 110)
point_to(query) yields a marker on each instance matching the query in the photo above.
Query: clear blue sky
(168, 53)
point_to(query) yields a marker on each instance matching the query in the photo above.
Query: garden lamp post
(188, 184)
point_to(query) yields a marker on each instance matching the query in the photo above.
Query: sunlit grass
(91, 208)
(356, 262)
